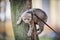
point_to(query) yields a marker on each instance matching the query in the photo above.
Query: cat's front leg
(30, 30)
(19, 20)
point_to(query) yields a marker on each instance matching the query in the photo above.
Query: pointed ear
(19, 20)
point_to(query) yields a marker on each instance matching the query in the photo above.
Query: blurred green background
(20, 31)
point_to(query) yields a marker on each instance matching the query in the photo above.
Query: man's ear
(19, 20)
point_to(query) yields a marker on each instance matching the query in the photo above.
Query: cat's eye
(28, 19)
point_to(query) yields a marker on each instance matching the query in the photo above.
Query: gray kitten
(27, 18)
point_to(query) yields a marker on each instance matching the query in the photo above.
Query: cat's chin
(27, 22)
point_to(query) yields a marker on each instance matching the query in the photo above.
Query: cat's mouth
(26, 21)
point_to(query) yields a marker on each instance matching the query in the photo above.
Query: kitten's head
(26, 18)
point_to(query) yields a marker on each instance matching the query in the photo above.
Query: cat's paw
(28, 34)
